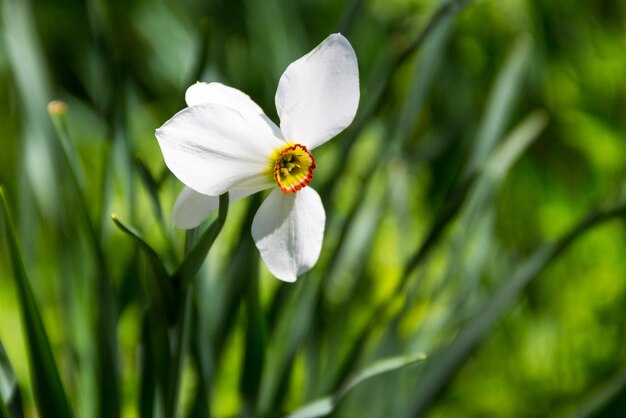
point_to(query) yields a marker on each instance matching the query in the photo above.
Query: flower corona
(293, 168)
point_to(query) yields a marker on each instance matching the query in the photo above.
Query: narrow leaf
(183, 279)
(181, 343)
(190, 266)
(147, 375)
(163, 291)
(10, 397)
(450, 360)
(498, 165)
(381, 77)
(607, 401)
(235, 282)
(58, 112)
(499, 107)
(151, 254)
(154, 361)
(47, 384)
(325, 406)
(151, 186)
(4, 410)
(514, 145)
(254, 354)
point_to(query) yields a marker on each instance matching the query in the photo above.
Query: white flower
(224, 142)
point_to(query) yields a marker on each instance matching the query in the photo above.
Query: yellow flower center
(293, 167)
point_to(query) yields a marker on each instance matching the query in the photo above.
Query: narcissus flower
(224, 142)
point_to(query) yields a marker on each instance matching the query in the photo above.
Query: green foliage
(475, 212)
(10, 397)
(47, 382)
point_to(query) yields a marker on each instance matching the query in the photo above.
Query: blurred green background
(486, 131)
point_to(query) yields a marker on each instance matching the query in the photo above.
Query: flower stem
(181, 336)
(180, 349)
(184, 285)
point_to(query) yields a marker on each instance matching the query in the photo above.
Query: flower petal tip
(286, 279)
(288, 230)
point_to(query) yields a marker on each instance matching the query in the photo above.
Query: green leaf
(47, 384)
(325, 406)
(151, 186)
(291, 330)
(161, 311)
(183, 278)
(254, 354)
(4, 410)
(164, 290)
(378, 84)
(235, 280)
(607, 401)
(500, 103)
(59, 121)
(147, 375)
(514, 145)
(190, 266)
(181, 344)
(446, 364)
(202, 354)
(155, 361)
(161, 275)
(10, 398)
(497, 166)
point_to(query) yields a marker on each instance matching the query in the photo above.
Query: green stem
(4, 410)
(106, 315)
(254, 354)
(195, 253)
(180, 350)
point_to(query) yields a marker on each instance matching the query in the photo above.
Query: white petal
(318, 94)
(202, 93)
(288, 230)
(211, 148)
(192, 208)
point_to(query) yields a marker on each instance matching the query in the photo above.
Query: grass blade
(325, 406)
(181, 341)
(235, 282)
(190, 266)
(151, 186)
(514, 145)
(161, 309)
(254, 355)
(450, 360)
(154, 360)
(499, 106)
(106, 311)
(496, 168)
(606, 402)
(10, 396)
(148, 377)
(202, 354)
(196, 252)
(45, 375)
(152, 255)
(4, 410)
(378, 84)
(163, 284)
